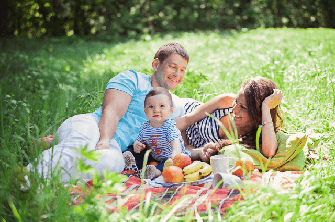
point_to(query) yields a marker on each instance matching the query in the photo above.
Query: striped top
(207, 129)
(159, 139)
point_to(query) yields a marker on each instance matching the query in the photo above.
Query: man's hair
(159, 91)
(166, 50)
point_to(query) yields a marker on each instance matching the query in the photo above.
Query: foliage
(112, 19)
(45, 81)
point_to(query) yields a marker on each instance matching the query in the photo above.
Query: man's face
(171, 72)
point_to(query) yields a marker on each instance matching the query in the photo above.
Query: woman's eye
(234, 102)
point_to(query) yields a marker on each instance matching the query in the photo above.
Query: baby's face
(158, 108)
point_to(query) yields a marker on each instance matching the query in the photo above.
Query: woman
(256, 103)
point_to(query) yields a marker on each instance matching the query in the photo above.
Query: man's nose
(177, 73)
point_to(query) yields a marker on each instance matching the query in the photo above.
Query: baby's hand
(138, 146)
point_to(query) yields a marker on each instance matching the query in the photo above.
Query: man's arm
(114, 107)
(218, 102)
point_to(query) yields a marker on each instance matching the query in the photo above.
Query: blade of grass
(14, 210)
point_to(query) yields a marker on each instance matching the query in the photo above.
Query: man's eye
(172, 67)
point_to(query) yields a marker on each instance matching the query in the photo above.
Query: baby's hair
(159, 91)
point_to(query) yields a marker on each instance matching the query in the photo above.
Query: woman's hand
(203, 156)
(210, 149)
(274, 99)
(102, 145)
(138, 146)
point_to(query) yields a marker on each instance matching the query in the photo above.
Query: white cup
(220, 163)
(228, 180)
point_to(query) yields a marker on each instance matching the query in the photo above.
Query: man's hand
(102, 145)
(138, 146)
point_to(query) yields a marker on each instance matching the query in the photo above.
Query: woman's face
(240, 115)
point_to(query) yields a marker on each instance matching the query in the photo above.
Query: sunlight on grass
(43, 82)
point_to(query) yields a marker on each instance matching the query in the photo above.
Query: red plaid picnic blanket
(186, 197)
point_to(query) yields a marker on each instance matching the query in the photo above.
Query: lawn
(45, 81)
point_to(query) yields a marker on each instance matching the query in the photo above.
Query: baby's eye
(151, 106)
(162, 106)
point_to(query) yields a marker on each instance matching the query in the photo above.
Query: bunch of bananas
(196, 171)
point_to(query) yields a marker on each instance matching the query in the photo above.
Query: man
(115, 125)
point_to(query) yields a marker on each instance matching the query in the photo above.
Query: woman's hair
(255, 91)
(166, 50)
(159, 91)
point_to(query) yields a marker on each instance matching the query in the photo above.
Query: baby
(159, 132)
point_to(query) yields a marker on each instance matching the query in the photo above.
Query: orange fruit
(247, 165)
(173, 174)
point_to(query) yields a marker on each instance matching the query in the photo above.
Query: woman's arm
(196, 153)
(114, 106)
(269, 140)
(218, 102)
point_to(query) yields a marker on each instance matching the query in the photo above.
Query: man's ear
(155, 64)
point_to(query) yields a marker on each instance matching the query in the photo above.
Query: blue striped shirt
(159, 139)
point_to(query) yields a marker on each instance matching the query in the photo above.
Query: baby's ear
(171, 109)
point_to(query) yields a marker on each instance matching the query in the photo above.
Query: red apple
(182, 160)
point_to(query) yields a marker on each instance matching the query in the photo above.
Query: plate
(208, 178)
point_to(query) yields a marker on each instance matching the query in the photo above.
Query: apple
(182, 160)
(244, 163)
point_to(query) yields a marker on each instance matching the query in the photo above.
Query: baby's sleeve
(172, 132)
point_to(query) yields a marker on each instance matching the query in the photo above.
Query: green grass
(43, 82)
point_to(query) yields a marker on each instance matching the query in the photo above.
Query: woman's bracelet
(263, 123)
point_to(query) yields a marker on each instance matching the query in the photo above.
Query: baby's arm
(176, 148)
(138, 146)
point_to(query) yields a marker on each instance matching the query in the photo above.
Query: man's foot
(130, 163)
(150, 172)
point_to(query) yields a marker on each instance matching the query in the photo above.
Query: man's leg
(76, 132)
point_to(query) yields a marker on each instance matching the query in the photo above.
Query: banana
(168, 162)
(192, 177)
(205, 170)
(193, 167)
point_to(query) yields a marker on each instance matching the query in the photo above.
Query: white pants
(77, 132)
